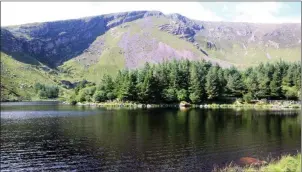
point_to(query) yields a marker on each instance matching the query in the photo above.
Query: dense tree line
(45, 91)
(196, 82)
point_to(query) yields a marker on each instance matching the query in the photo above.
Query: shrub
(110, 96)
(90, 90)
(169, 95)
(42, 94)
(182, 95)
(194, 98)
(240, 100)
(99, 96)
(44, 91)
(81, 97)
(247, 97)
(72, 99)
(290, 94)
(88, 98)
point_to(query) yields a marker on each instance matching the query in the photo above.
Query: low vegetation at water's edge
(46, 92)
(286, 163)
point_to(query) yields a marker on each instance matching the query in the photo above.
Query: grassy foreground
(286, 163)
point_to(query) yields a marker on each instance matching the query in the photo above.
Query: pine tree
(124, 87)
(235, 83)
(263, 78)
(289, 77)
(252, 84)
(297, 76)
(212, 83)
(276, 83)
(196, 92)
(221, 80)
(184, 74)
(174, 75)
(107, 84)
(147, 89)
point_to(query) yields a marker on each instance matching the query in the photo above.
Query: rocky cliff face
(182, 27)
(53, 43)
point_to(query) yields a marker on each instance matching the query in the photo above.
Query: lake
(49, 136)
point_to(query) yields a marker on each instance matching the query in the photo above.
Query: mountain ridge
(55, 42)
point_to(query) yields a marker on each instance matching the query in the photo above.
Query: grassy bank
(286, 163)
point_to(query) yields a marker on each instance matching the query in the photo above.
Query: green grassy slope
(109, 62)
(18, 79)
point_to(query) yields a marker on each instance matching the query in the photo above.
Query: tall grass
(286, 163)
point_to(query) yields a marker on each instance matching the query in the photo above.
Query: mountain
(89, 47)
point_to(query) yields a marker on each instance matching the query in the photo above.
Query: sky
(14, 13)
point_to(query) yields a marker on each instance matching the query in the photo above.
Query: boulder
(184, 104)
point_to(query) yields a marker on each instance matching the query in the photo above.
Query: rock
(67, 84)
(211, 45)
(184, 104)
(153, 13)
(182, 27)
(272, 44)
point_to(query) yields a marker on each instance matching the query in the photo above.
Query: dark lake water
(52, 137)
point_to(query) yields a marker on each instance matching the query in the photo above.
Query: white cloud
(28, 12)
(262, 12)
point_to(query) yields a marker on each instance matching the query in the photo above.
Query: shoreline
(285, 105)
(42, 100)
(200, 106)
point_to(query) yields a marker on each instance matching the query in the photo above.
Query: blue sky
(293, 10)
(256, 12)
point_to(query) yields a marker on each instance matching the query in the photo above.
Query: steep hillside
(89, 47)
(18, 79)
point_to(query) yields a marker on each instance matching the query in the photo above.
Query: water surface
(50, 137)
